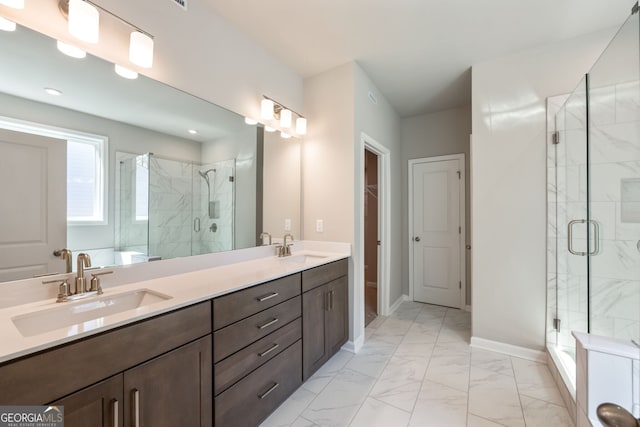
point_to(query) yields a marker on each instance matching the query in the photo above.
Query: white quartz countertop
(183, 289)
(608, 345)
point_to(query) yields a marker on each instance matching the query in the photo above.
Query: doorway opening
(371, 233)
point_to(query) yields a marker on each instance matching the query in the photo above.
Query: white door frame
(384, 215)
(463, 232)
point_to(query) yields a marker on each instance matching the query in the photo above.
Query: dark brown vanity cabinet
(325, 314)
(257, 350)
(157, 371)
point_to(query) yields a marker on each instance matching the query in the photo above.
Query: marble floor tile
(491, 361)
(538, 413)
(450, 369)
(374, 413)
(495, 397)
(327, 372)
(535, 380)
(303, 422)
(476, 421)
(290, 410)
(400, 382)
(439, 405)
(338, 403)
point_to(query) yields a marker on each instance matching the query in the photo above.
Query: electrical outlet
(319, 225)
(287, 224)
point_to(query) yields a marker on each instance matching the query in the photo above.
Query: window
(86, 170)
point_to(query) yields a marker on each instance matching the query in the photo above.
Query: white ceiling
(418, 52)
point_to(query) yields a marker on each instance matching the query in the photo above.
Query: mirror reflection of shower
(210, 204)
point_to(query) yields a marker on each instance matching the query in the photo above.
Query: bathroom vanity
(229, 359)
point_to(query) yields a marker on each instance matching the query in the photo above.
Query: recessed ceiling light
(250, 121)
(70, 50)
(52, 91)
(193, 131)
(125, 72)
(269, 129)
(6, 25)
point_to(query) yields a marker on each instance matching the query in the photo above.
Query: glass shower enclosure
(169, 208)
(593, 203)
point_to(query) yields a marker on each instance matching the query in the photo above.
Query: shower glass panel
(614, 187)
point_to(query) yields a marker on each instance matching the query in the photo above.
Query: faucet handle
(63, 289)
(95, 280)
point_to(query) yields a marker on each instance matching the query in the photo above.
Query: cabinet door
(171, 390)
(337, 317)
(97, 406)
(314, 349)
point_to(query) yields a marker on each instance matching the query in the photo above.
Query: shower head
(205, 174)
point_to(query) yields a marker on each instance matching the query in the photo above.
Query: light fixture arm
(277, 107)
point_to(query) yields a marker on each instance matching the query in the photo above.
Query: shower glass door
(614, 187)
(571, 219)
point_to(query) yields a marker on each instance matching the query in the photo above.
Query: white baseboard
(509, 349)
(354, 346)
(396, 304)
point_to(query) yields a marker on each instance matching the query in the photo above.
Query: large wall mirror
(127, 170)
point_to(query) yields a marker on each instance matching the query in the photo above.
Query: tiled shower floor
(417, 369)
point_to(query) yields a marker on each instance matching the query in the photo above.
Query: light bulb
(266, 109)
(84, 21)
(16, 4)
(125, 72)
(285, 118)
(141, 49)
(301, 126)
(71, 50)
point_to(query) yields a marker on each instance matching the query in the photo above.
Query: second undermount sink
(304, 259)
(84, 315)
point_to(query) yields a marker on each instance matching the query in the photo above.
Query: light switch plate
(319, 226)
(287, 224)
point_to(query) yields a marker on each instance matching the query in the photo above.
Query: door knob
(417, 238)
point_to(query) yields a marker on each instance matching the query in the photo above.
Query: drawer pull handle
(268, 297)
(273, 347)
(136, 407)
(266, 325)
(266, 393)
(114, 406)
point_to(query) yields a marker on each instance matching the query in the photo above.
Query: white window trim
(63, 133)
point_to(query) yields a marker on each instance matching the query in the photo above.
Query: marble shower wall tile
(628, 102)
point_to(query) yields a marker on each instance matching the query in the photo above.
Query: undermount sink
(304, 259)
(84, 315)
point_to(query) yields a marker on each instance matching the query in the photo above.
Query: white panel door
(436, 232)
(33, 209)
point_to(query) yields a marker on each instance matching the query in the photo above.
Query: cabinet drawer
(325, 273)
(250, 401)
(239, 335)
(76, 365)
(235, 367)
(239, 305)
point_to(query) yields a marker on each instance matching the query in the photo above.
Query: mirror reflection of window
(85, 189)
(141, 186)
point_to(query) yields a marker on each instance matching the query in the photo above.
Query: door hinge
(231, 179)
(556, 324)
(555, 139)
(460, 285)
(459, 230)
(459, 175)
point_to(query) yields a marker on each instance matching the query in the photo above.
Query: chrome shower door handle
(596, 238)
(196, 224)
(570, 236)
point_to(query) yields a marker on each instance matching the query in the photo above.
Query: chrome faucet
(263, 234)
(84, 260)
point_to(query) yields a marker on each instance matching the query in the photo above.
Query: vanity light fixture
(285, 135)
(71, 50)
(15, 4)
(269, 129)
(125, 72)
(52, 91)
(273, 110)
(141, 49)
(6, 25)
(250, 121)
(84, 21)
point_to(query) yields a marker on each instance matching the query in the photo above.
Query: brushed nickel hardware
(596, 237)
(66, 256)
(262, 236)
(95, 280)
(84, 260)
(555, 139)
(268, 297)
(136, 407)
(556, 324)
(287, 248)
(416, 239)
(196, 224)
(266, 393)
(331, 300)
(612, 415)
(37, 276)
(459, 175)
(269, 350)
(269, 323)
(114, 407)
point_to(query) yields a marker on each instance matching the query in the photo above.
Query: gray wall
(429, 135)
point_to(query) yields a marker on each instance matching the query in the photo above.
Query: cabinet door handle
(266, 393)
(326, 301)
(136, 407)
(331, 300)
(269, 350)
(114, 407)
(268, 297)
(269, 323)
